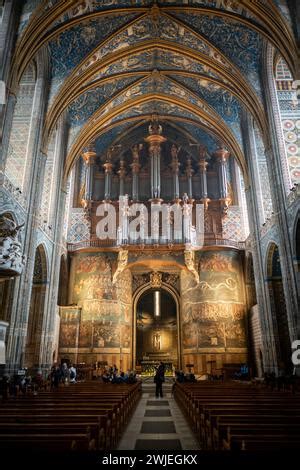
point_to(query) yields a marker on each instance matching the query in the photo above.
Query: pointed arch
(78, 82)
(278, 308)
(97, 124)
(265, 19)
(37, 309)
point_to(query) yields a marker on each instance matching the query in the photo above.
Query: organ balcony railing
(180, 225)
(176, 245)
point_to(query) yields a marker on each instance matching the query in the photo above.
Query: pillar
(189, 174)
(58, 205)
(122, 174)
(202, 164)
(135, 167)
(155, 139)
(155, 171)
(4, 143)
(278, 194)
(8, 30)
(90, 159)
(20, 309)
(252, 197)
(222, 156)
(175, 172)
(108, 166)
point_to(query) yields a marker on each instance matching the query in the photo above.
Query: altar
(149, 367)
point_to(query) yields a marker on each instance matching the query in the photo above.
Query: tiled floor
(158, 423)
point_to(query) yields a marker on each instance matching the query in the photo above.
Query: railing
(150, 243)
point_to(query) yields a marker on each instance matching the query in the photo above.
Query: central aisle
(158, 423)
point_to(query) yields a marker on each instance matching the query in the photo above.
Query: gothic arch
(137, 296)
(37, 309)
(267, 20)
(97, 124)
(278, 308)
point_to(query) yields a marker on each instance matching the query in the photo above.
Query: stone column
(202, 164)
(256, 176)
(20, 310)
(252, 197)
(9, 25)
(90, 159)
(236, 184)
(279, 197)
(222, 156)
(155, 171)
(48, 330)
(5, 129)
(122, 174)
(58, 208)
(155, 139)
(8, 29)
(108, 166)
(135, 167)
(189, 174)
(175, 172)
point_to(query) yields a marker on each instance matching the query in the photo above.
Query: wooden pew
(214, 409)
(94, 414)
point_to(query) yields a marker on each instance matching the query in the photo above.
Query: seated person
(180, 376)
(243, 372)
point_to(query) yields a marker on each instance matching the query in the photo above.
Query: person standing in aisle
(159, 378)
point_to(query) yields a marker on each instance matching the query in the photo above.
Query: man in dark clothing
(159, 378)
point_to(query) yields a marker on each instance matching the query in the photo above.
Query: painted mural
(214, 310)
(69, 327)
(105, 320)
(245, 44)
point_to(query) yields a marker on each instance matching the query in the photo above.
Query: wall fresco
(213, 311)
(105, 324)
(69, 327)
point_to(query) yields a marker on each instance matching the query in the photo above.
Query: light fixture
(157, 303)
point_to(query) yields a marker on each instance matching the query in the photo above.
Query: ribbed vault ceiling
(113, 64)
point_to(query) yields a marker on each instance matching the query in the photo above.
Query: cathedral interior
(155, 112)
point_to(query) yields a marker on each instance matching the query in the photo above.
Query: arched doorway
(157, 334)
(36, 312)
(278, 306)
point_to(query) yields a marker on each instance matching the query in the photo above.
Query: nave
(88, 418)
(158, 423)
(149, 212)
